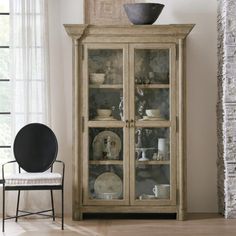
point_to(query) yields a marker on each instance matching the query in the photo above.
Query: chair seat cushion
(33, 179)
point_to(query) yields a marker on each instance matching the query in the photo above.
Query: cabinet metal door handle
(127, 123)
(131, 123)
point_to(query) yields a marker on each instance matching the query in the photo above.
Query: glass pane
(37, 117)
(105, 144)
(152, 104)
(152, 155)
(37, 94)
(5, 156)
(105, 73)
(152, 144)
(106, 163)
(151, 66)
(5, 130)
(38, 31)
(105, 182)
(37, 91)
(5, 96)
(38, 66)
(105, 66)
(4, 63)
(20, 121)
(36, 56)
(152, 182)
(4, 5)
(19, 91)
(4, 29)
(106, 104)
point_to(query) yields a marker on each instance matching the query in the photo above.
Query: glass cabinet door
(153, 124)
(105, 133)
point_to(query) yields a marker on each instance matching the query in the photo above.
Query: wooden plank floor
(198, 224)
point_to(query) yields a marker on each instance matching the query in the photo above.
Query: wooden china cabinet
(129, 119)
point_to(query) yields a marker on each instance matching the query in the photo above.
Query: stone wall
(226, 107)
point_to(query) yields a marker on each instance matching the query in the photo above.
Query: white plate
(99, 145)
(108, 183)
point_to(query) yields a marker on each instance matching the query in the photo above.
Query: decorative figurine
(107, 148)
(139, 139)
(121, 107)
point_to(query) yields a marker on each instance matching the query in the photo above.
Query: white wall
(201, 91)
(201, 97)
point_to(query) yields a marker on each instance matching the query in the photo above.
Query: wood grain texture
(181, 143)
(197, 225)
(129, 38)
(105, 12)
(174, 30)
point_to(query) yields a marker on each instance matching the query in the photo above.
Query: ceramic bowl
(104, 112)
(153, 112)
(97, 78)
(143, 13)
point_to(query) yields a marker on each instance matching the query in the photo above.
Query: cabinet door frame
(171, 124)
(112, 124)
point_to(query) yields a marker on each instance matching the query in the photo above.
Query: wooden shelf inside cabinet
(106, 162)
(152, 123)
(106, 86)
(152, 162)
(106, 124)
(153, 86)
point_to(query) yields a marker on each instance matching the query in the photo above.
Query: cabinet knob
(127, 124)
(131, 123)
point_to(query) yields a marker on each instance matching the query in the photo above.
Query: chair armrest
(3, 166)
(63, 169)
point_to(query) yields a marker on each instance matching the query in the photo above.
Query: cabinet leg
(78, 215)
(181, 215)
(81, 216)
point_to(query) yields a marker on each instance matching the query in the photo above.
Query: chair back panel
(35, 147)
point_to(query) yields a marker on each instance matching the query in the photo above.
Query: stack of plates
(108, 186)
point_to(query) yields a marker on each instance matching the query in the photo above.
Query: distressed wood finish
(181, 139)
(105, 11)
(128, 38)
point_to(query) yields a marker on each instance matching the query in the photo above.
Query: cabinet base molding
(128, 209)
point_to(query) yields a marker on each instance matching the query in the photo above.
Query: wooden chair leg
(17, 206)
(53, 211)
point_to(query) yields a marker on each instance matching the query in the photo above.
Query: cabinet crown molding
(76, 31)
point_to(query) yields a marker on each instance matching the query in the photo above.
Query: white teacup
(162, 191)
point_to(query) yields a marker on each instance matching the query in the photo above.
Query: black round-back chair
(35, 150)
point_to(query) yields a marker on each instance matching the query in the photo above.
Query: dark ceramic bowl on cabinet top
(143, 13)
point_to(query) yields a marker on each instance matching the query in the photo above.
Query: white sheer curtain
(30, 74)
